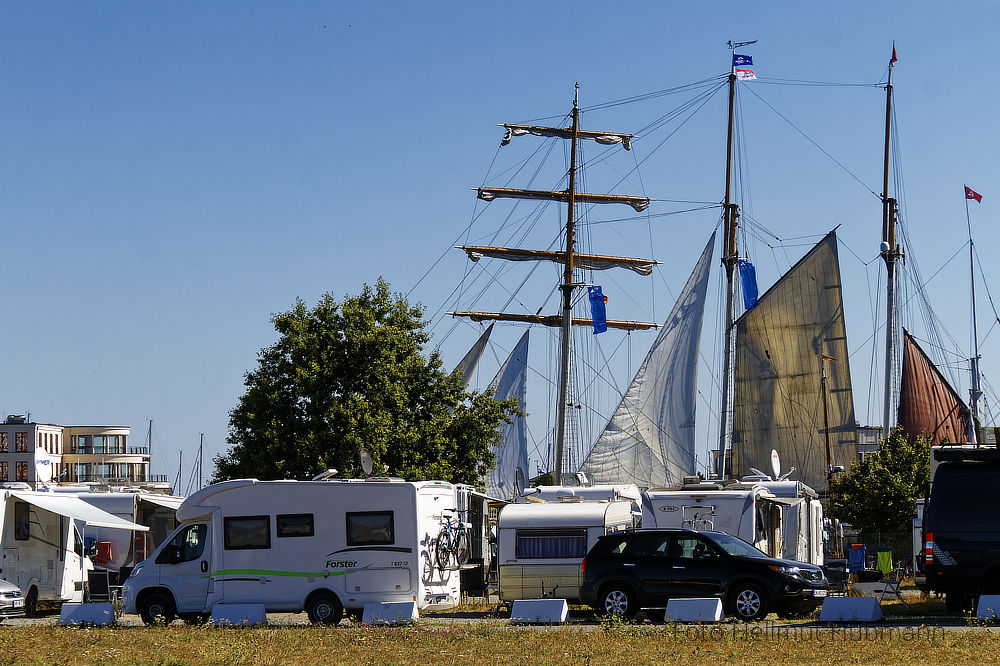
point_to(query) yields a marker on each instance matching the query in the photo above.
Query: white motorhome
(801, 520)
(748, 511)
(541, 545)
(319, 546)
(41, 545)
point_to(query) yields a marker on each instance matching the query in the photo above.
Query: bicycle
(452, 544)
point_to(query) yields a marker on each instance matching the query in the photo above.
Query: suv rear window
(963, 505)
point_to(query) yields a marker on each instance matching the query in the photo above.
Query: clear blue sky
(173, 173)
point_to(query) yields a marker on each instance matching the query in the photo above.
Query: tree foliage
(879, 493)
(348, 375)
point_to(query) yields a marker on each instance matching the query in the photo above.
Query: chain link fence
(900, 544)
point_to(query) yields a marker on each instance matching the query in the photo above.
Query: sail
(649, 440)
(513, 451)
(928, 405)
(470, 361)
(784, 345)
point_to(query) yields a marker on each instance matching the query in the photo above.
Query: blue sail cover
(513, 450)
(748, 280)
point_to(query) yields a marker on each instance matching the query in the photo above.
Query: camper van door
(186, 559)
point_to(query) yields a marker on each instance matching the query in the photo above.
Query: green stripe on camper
(290, 574)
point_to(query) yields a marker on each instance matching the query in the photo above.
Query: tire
(31, 603)
(462, 548)
(157, 608)
(617, 601)
(748, 603)
(324, 608)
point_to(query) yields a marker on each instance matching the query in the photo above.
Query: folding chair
(883, 562)
(99, 585)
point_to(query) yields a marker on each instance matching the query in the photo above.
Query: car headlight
(794, 572)
(135, 572)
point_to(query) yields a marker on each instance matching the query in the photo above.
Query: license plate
(18, 603)
(819, 593)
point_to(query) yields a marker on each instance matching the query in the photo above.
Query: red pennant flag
(893, 58)
(972, 194)
(827, 357)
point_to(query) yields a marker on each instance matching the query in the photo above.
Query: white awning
(167, 501)
(77, 509)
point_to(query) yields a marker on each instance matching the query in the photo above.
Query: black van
(962, 526)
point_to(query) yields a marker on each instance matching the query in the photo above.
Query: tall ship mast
(570, 259)
(890, 254)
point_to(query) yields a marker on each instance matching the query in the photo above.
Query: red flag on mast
(972, 194)
(893, 58)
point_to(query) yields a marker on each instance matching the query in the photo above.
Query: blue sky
(173, 173)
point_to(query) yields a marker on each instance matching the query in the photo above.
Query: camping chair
(856, 558)
(99, 585)
(883, 562)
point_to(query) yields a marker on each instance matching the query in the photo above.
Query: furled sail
(470, 361)
(792, 379)
(928, 405)
(513, 451)
(649, 440)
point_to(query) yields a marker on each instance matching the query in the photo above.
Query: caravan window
(295, 525)
(370, 528)
(246, 532)
(22, 521)
(540, 544)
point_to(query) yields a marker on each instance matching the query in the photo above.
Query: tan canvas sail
(784, 345)
(928, 405)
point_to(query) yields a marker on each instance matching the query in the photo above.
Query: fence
(901, 544)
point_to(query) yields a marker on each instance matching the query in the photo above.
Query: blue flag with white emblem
(598, 311)
(739, 60)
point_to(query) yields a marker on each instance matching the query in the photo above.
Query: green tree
(348, 375)
(879, 494)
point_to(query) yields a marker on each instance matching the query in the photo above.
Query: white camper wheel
(156, 608)
(324, 608)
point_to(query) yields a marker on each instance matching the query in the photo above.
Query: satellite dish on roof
(519, 481)
(43, 465)
(366, 462)
(775, 464)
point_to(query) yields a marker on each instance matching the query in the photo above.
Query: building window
(370, 528)
(3, 471)
(3, 442)
(20, 442)
(20, 470)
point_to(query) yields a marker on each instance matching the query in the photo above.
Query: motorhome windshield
(734, 545)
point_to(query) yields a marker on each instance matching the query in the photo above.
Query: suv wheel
(618, 601)
(748, 602)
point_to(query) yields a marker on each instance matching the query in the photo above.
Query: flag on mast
(745, 75)
(893, 58)
(972, 194)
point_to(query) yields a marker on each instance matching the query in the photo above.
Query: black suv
(962, 526)
(627, 571)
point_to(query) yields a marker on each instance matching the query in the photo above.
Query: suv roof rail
(962, 453)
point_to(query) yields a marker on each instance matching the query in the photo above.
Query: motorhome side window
(370, 528)
(295, 525)
(540, 544)
(22, 521)
(246, 532)
(187, 545)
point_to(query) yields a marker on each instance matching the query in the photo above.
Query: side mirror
(170, 554)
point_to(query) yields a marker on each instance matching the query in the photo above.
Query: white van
(541, 545)
(42, 548)
(319, 546)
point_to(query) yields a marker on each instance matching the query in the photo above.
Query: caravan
(321, 546)
(41, 548)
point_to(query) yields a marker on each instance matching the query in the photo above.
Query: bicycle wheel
(442, 549)
(462, 548)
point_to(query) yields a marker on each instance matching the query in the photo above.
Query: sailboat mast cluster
(569, 258)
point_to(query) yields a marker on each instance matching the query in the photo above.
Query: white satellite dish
(775, 464)
(518, 481)
(43, 465)
(366, 462)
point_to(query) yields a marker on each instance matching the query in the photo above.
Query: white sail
(513, 451)
(650, 439)
(470, 361)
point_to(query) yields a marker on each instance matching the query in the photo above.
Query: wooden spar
(606, 138)
(553, 320)
(639, 204)
(890, 253)
(592, 260)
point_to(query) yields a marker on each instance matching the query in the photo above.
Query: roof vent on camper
(690, 480)
(323, 476)
(567, 499)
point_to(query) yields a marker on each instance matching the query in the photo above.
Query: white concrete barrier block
(989, 607)
(694, 610)
(92, 614)
(238, 614)
(539, 611)
(394, 612)
(850, 609)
